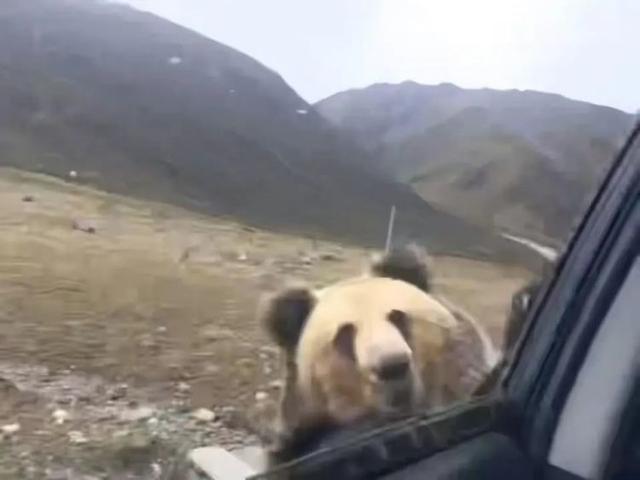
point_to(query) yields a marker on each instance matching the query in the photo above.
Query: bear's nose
(393, 368)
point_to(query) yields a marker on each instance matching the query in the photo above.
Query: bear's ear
(409, 264)
(284, 315)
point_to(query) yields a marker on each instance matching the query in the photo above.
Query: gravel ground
(110, 340)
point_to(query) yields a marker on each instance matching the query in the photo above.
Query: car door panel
(486, 457)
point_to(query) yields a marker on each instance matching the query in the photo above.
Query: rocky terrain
(127, 331)
(155, 183)
(134, 104)
(522, 161)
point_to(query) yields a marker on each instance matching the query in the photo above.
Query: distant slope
(518, 160)
(141, 106)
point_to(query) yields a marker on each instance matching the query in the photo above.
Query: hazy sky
(584, 49)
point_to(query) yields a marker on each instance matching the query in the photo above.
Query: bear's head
(367, 347)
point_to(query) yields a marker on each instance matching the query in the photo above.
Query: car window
(626, 464)
(584, 451)
(169, 169)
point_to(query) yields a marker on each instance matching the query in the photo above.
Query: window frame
(570, 307)
(629, 430)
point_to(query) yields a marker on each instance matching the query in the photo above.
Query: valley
(517, 160)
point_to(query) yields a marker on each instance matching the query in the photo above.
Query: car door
(531, 425)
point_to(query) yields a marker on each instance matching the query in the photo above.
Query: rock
(119, 391)
(84, 226)
(329, 257)
(66, 400)
(215, 333)
(156, 469)
(28, 198)
(183, 388)
(276, 384)
(180, 406)
(148, 342)
(270, 350)
(10, 429)
(9, 393)
(212, 369)
(203, 415)
(161, 329)
(57, 474)
(106, 415)
(137, 414)
(60, 416)
(76, 437)
(261, 396)
(153, 422)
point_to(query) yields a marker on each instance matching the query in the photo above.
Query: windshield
(168, 168)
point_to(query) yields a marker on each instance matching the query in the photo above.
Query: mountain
(520, 161)
(135, 104)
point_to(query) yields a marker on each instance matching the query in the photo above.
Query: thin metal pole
(392, 219)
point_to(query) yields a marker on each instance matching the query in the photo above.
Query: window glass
(166, 164)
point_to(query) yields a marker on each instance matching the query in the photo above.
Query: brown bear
(373, 346)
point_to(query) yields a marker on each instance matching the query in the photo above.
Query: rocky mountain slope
(523, 161)
(135, 104)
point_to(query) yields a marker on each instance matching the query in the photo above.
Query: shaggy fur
(409, 264)
(335, 338)
(284, 315)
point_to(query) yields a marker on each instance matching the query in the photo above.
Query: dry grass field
(127, 315)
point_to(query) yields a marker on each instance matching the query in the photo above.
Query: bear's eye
(344, 341)
(400, 320)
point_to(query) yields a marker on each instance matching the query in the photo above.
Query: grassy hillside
(517, 160)
(161, 300)
(137, 105)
